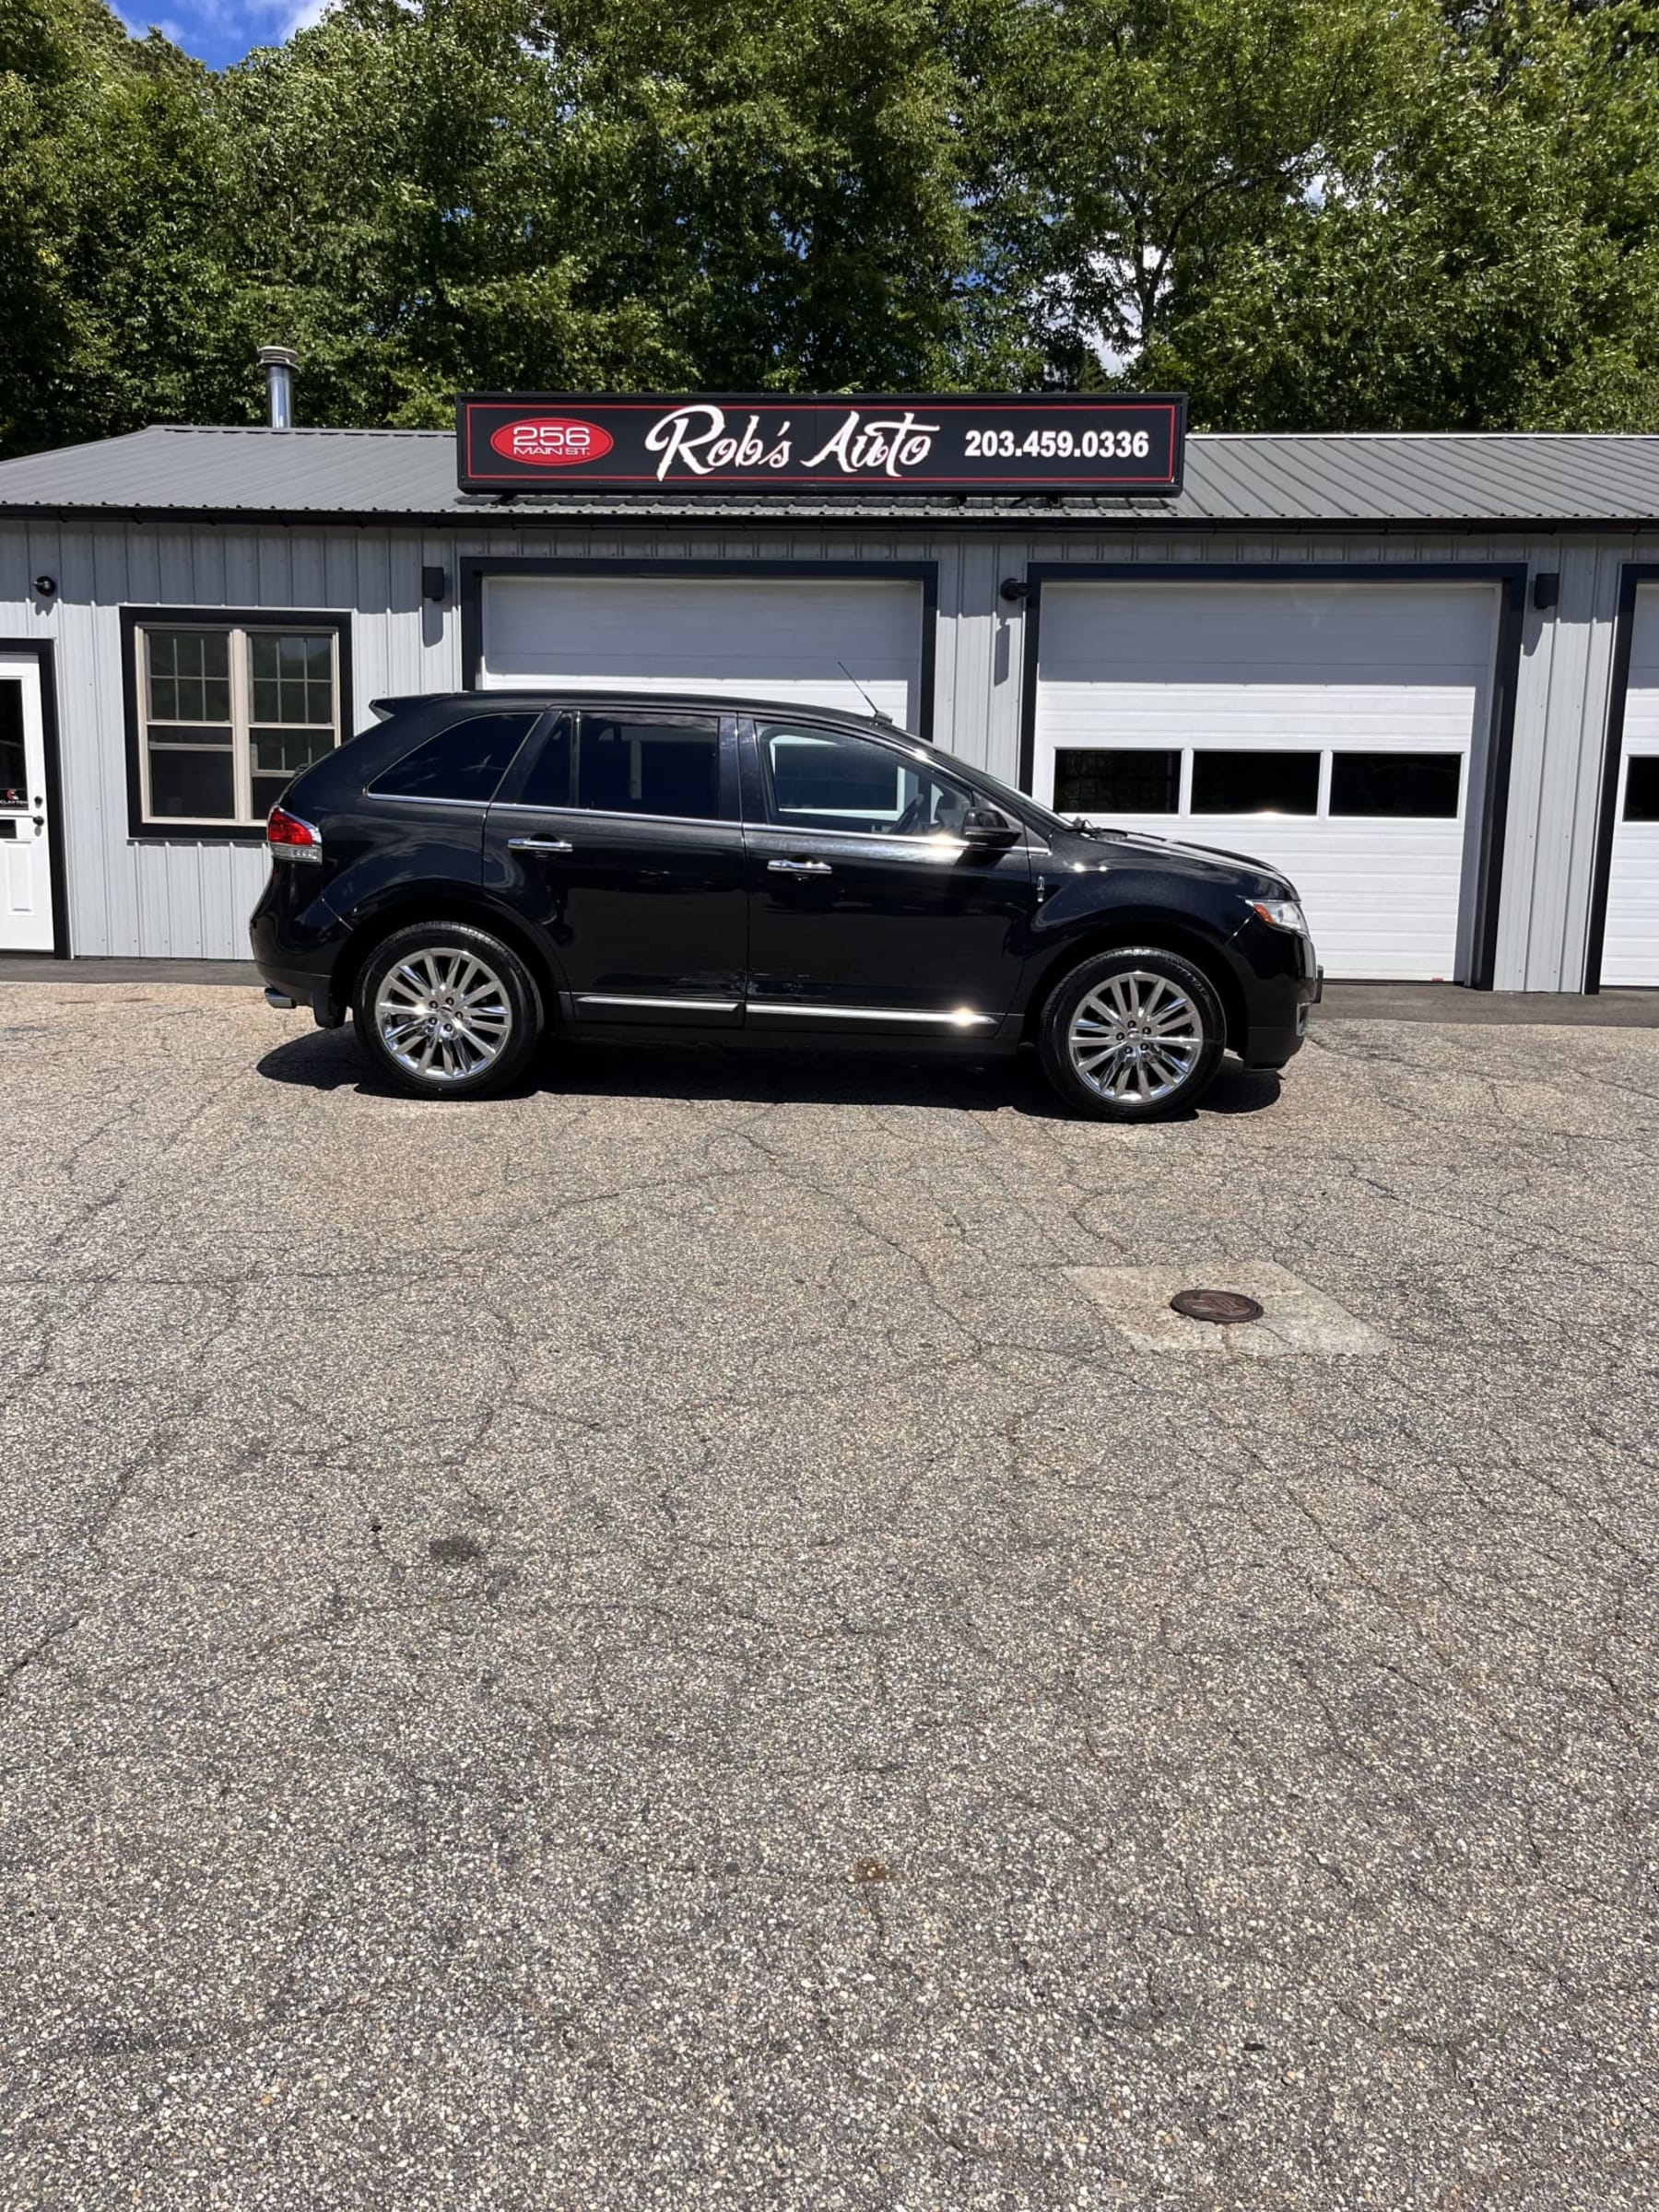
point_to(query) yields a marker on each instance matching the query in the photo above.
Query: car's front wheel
(1132, 1035)
(447, 1010)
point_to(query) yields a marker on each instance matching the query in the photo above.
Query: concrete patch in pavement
(1296, 1315)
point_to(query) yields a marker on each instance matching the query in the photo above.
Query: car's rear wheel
(1132, 1035)
(447, 1010)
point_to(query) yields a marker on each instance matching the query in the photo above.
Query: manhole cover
(1216, 1305)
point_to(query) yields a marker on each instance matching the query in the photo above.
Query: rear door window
(466, 761)
(640, 763)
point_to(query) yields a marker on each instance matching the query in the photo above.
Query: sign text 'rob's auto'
(956, 442)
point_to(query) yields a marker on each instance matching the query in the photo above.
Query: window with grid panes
(230, 715)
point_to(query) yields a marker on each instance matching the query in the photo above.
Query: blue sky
(219, 31)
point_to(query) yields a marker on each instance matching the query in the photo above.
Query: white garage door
(1630, 945)
(1332, 730)
(773, 638)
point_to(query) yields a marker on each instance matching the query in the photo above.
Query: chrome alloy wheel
(443, 1014)
(1135, 1037)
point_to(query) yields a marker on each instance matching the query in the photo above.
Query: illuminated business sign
(989, 444)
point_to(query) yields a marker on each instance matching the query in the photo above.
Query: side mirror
(984, 826)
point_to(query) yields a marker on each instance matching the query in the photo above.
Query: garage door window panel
(1112, 780)
(841, 783)
(1255, 782)
(1641, 788)
(230, 714)
(1399, 786)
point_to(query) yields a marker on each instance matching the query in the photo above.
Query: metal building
(1420, 674)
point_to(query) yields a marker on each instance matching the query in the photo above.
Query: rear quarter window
(466, 761)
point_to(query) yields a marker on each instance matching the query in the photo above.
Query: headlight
(1282, 913)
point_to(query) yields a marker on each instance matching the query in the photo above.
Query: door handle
(540, 844)
(800, 867)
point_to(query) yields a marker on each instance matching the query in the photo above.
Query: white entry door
(831, 641)
(25, 842)
(1330, 730)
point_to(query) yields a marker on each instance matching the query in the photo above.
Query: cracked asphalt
(645, 1645)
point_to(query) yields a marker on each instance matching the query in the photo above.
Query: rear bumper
(304, 972)
(315, 992)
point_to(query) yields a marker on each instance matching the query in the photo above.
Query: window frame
(136, 622)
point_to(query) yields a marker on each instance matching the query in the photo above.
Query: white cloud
(225, 25)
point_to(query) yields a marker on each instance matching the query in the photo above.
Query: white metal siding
(1315, 668)
(194, 895)
(830, 641)
(1630, 945)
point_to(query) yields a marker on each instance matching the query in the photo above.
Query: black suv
(481, 869)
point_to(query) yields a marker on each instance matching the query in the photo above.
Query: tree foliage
(1308, 213)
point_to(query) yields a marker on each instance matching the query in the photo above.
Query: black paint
(690, 912)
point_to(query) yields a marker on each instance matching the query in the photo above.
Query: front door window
(835, 779)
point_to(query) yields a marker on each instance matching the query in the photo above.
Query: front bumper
(1282, 983)
(1273, 1048)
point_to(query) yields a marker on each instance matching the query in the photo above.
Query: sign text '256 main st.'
(949, 443)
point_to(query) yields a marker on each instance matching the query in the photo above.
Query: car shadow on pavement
(329, 1060)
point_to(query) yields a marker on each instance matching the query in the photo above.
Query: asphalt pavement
(680, 1640)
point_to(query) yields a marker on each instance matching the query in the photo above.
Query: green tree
(110, 187)
(482, 191)
(405, 213)
(787, 182)
(1311, 213)
(1496, 266)
(1121, 149)
(1325, 214)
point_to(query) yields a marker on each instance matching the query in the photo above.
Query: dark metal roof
(1328, 480)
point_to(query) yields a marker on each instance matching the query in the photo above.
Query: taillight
(288, 837)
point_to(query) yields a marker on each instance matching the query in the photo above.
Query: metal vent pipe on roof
(279, 363)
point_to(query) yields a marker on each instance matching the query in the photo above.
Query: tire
(1132, 1035)
(416, 981)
